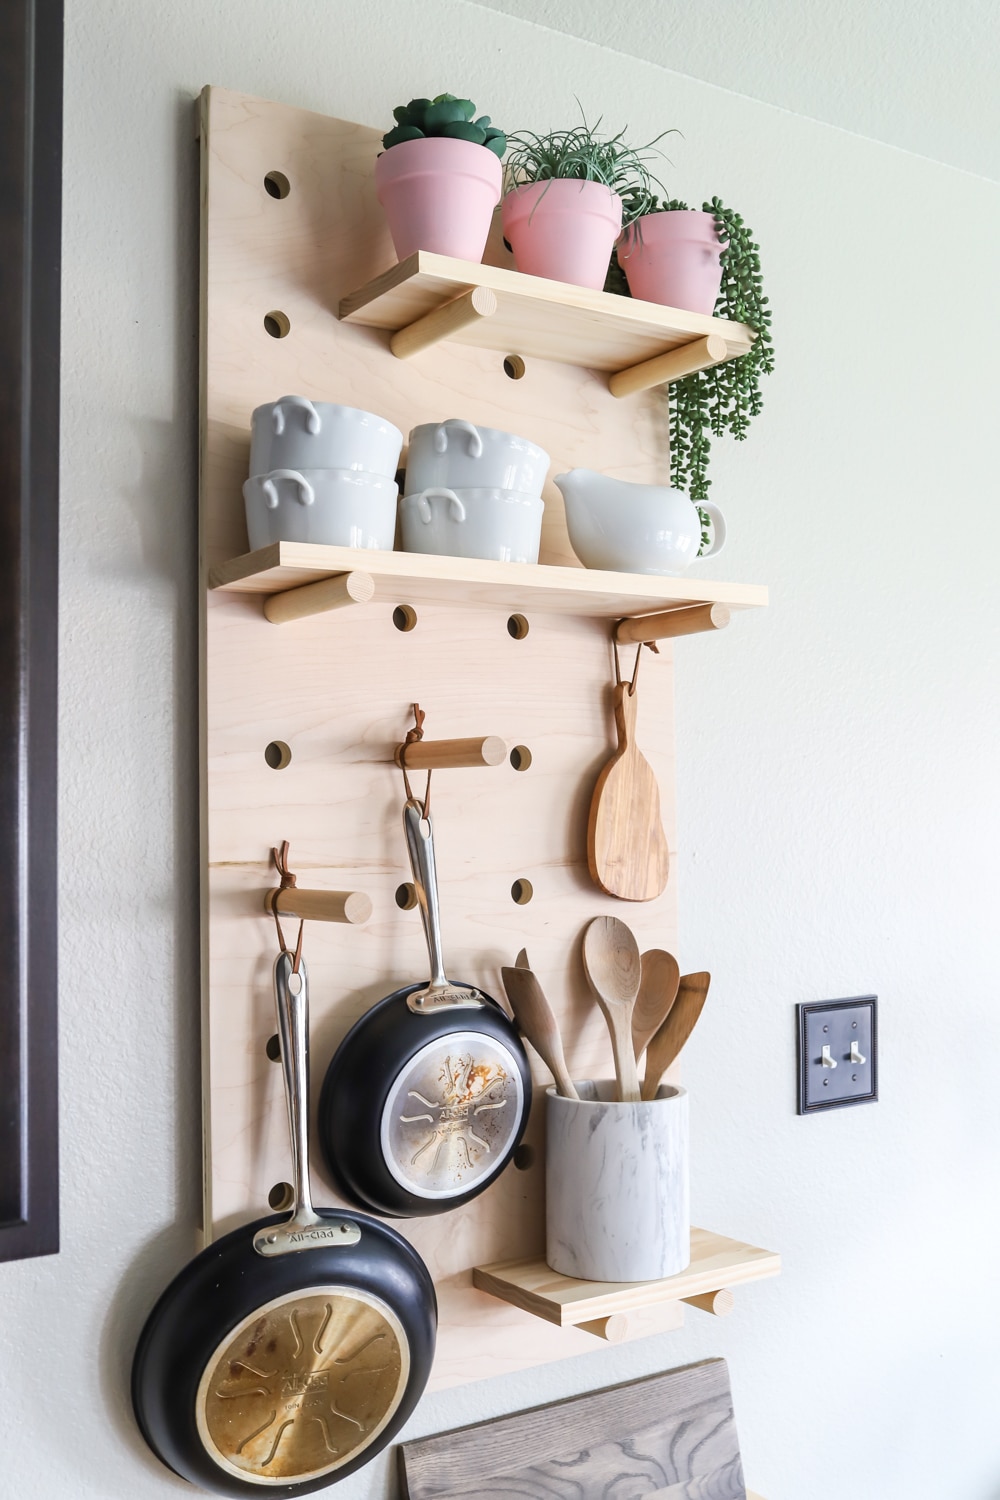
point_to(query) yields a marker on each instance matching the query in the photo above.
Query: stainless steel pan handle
(305, 1229)
(440, 993)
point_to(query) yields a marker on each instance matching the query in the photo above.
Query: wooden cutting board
(626, 847)
(671, 1435)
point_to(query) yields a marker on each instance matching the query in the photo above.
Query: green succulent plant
(445, 116)
(727, 397)
(581, 154)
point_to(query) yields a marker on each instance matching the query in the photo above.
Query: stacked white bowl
(473, 492)
(321, 473)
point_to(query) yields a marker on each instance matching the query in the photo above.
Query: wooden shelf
(716, 1263)
(417, 578)
(529, 315)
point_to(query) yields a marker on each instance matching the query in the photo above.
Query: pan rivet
(272, 1239)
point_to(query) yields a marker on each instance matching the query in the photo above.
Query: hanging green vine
(727, 397)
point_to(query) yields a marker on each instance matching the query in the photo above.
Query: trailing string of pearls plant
(727, 397)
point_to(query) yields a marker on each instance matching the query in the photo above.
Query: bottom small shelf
(717, 1263)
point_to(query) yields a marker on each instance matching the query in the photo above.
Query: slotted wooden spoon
(661, 974)
(668, 1041)
(535, 1016)
(614, 969)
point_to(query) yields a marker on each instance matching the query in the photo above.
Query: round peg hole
(276, 324)
(520, 757)
(522, 891)
(404, 617)
(281, 1196)
(524, 1158)
(273, 1048)
(406, 896)
(278, 755)
(277, 184)
(517, 627)
(513, 367)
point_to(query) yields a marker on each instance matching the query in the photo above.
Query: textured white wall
(838, 791)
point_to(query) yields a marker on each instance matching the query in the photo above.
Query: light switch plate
(836, 1030)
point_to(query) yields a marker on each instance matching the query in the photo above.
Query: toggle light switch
(837, 1053)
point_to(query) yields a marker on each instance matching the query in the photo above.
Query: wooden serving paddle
(661, 974)
(668, 1041)
(627, 851)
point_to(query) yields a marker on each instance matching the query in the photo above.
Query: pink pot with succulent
(439, 178)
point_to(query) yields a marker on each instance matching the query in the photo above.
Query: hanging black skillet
(428, 1095)
(292, 1350)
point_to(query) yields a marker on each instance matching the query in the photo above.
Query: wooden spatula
(661, 974)
(668, 1041)
(534, 1015)
(611, 959)
(627, 851)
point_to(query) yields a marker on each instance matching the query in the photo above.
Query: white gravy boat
(635, 528)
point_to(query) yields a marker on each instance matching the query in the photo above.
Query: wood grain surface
(337, 689)
(627, 849)
(668, 1435)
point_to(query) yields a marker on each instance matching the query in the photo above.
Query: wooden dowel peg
(320, 906)
(447, 755)
(673, 622)
(720, 1303)
(317, 598)
(444, 322)
(702, 354)
(613, 1328)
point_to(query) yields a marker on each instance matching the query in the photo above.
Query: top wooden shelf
(495, 308)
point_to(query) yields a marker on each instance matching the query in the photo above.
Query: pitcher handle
(306, 494)
(455, 506)
(718, 527)
(475, 449)
(313, 423)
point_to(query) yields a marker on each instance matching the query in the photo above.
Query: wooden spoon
(534, 1015)
(668, 1041)
(661, 974)
(614, 969)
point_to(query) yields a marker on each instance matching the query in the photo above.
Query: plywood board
(671, 1435)
(337, 690)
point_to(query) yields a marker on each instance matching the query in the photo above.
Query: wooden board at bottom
(671, 1435)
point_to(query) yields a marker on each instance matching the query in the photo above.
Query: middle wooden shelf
(420, 578)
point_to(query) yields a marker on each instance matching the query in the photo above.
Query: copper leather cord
(635, 670)
(287, 882)
(412, 736)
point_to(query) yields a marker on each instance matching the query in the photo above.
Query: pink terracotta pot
(673, 258)
(439, 195)
(563, 229)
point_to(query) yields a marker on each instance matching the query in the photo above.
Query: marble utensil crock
(616, 1184)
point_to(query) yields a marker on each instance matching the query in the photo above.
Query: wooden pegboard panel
(337, 690)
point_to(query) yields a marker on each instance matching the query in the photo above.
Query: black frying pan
(291, 1351)
(428, 1095)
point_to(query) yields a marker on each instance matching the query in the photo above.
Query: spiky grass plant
(581, 154)
(727, 397)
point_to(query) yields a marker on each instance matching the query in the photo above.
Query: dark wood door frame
(31, 43)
